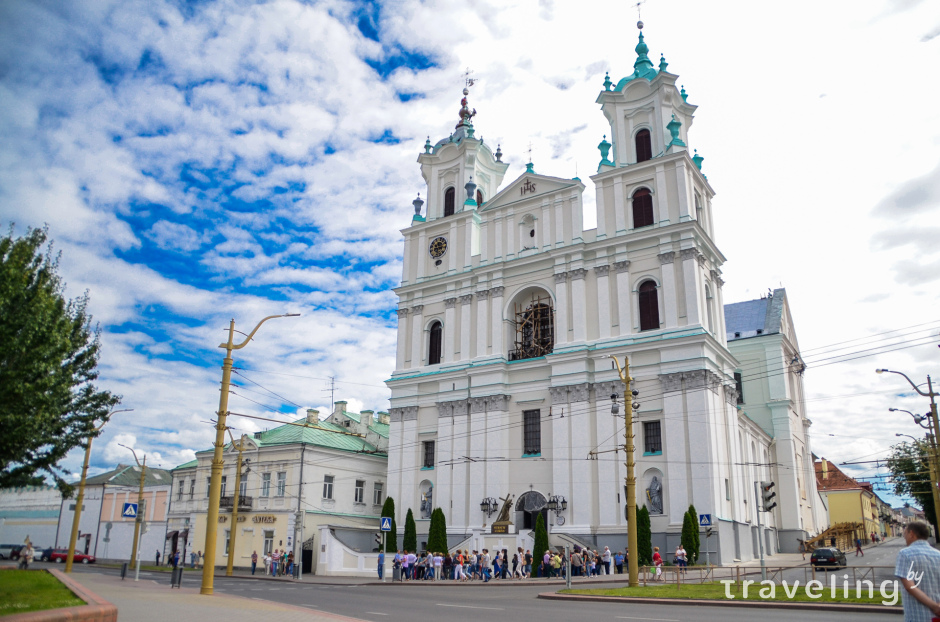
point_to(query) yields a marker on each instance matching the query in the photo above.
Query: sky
(201, 161)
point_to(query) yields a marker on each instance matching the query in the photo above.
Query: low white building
(296, 478)
(31, 511)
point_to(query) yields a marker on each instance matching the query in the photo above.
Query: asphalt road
(408, 602)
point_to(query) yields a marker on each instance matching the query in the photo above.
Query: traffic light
(767, 496)
(709, 532)
(378, 540)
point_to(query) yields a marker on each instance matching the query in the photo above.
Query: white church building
(509, 311)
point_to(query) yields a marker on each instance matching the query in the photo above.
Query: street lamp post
(81, 490)
(633, 569)
(242, 443)
(135, 552)
(935, 459)
(215, 482)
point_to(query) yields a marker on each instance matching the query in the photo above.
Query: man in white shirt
(485, 566)
(438, 561)
(606, 560)
(412, 558)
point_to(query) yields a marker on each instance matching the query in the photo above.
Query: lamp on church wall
(556, 503)
(489, 506)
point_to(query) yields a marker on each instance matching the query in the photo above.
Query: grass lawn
(33, 590)
(716, 591)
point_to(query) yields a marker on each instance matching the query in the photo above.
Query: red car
(60, 555)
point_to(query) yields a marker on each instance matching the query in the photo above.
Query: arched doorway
(528, 507)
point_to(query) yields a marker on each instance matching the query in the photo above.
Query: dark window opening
(479, 198)
(449, 195)
(739, 385)
(532, 432)
(644, 146)
(535, 331)
(532, 233)
(652, 437)
(434, 344)
(649, 306)
(642, 208)
(428, 454)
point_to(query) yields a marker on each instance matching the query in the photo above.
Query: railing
(244, 503)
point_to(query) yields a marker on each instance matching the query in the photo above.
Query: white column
(624, 297)
(497, 445)
(421, 259)
(675, 454)
(603, 301)
(578, 305)
(482, 332)
(577, 218)
(466, 326)
(660, 202)
(478, 441)
(511, 227)
(670, 301)
(451, 257)
(559, 223)
(417, 336)
(459, 517)
(601, 213)
(443, 480)
(623, 207)
(561, 307)
(407, 259)
(402, 338)
(496, 316)
(544, 231)
(582, 484)
(499, 225)
(693, 292)
(409, 461)
(606, 426)
(449, 335)
(720, 307)
(561, 446)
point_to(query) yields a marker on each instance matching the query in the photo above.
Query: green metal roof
(188, 465)
(129, 475)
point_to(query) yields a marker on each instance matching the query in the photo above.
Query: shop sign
(264, 518)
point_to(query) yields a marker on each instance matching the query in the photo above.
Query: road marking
(376, 613)
(313, 607)
(655, 619)
(472, 607)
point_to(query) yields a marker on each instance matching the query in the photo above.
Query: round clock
(560, 520)
(438, 247)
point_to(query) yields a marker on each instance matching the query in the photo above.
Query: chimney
(339, 407)
(384, 418)
(825, 469)
(367, 417)
(313, 416)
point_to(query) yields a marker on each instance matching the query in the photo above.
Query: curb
(799, 606)
(97, 609)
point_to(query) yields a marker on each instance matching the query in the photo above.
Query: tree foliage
(696, 536)
(909, 465)
(437, 532)
(644, 537)
(541, 538)
(688, 538)
(410, 540)
(391, 537)
(49, 351)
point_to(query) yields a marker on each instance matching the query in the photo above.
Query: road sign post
(385, 526)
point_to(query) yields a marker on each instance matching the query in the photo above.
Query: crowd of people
(276, 563)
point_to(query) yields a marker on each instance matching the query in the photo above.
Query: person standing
(485, 565)
(254, 562)
(618, 562)
(682, 558)
(658, 563)
(606, 559)
(858, 547)
(381, 565)
(275, 558)
(918, 568)
(26, 556)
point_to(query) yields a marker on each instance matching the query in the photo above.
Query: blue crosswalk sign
(705, 520)
(386, 523)
(129, 511)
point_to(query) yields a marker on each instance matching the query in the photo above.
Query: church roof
(754, 318)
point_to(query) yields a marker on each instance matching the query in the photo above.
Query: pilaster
(482, 326)
(578, 305)
(417, 336)
(561, 307)
(624, 297)
(670, 300)
(603, 301)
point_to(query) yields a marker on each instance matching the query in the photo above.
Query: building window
(243, 488)
(652, 439)
(649, 306)
(642, 208)
(434, 344)
(281, 483)
(208, 486)
(228, 540)
(739, 385)
(428, 454)
(479, 197)
(360, 491)
(265, 484)
(222, 491)
(449, 196)
(535, 330)
(727, 490)
(192, 488)
(532, 433)
(268, 541)
(644, 146)
(179, 492)
(377, 494)
(327, 486)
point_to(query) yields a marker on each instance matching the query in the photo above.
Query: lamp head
(892, 410)
(880, 371)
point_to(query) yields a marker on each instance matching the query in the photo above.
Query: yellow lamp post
(140, 504)
(81, 490)
(215, 482)
(240, 446)
(633, 567)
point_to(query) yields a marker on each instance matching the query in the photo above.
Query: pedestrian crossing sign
(386, 523)
(129, 511)
(705, 520)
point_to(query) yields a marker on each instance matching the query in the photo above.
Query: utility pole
(632, 559)
(215, 482)
(236, 499)
(140, 503)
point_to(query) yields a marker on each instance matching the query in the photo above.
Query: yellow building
(851, 501)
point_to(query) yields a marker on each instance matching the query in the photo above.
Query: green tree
(688, 534)
(696, 536)
(541, 541)
(49, 403)
(437, 532)
(909, 465)
(410, 540)
(644, 537)
(391, 538)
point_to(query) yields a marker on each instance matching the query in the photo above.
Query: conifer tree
(541, 541)
(391, 538)
(410, 541)
(437, 534)
(644, 537)
(696, 537)
(688, 535)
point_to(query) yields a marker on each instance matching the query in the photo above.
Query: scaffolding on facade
(841, 535)
(535, 329)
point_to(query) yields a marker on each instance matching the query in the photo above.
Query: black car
(826, 557)
(45, 555)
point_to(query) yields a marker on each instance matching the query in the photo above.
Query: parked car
(60, 555)
(45, 555)
(826, 557)
(10, 551)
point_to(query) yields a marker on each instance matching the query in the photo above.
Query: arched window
(649, 306)
(449, 195)
(644, 146)
(479, 198)
(434, 344)
(642, 208)
(535, 330)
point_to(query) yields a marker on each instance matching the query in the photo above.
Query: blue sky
(197, 161)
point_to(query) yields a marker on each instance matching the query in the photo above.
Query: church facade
(509, 312)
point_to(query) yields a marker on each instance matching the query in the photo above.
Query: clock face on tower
(438, 247)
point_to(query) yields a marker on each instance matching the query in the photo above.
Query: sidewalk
(149, 601)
